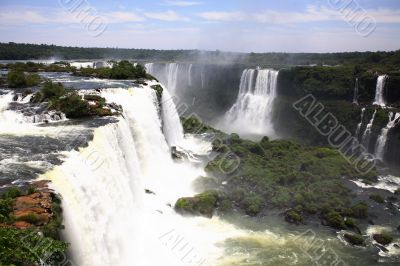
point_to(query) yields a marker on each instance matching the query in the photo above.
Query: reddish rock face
(33, 209)
(39, 199)
(22, 225)
(42, 184)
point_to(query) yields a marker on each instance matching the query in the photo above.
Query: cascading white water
(172, 126)
(252, 111)
(365, 140)
(355, 96)
(359, 125)
(380, 90)
(380, 146)
(149, 68)
(358, 130)
(167, 74)
(190, 75)
(5, 100)
(203, 77)
(109, 218)
(172, 77)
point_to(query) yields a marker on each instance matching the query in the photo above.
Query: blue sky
(229, 25)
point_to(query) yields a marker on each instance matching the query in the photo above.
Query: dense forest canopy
(20, 51)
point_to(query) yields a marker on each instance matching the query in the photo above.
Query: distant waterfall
(380, 90)
(355, 96)
(149, 68)
(190, 83)
(367, 133)
(203, 77)
(358, 130)
(380, 147)
(252, 112)
(172, 77)
(167, 74)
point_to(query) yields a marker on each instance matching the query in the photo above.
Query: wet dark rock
(148, 191)
(382, 248)
(383, 238)
(177, 155)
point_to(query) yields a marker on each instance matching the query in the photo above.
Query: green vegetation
(28, 246)
(354, 239)
(202, 204)
(306, 181)
(384, 238)
(286, 175)
(15, 51)
(120, 70)
(39, 67)
(377, 198)
(159, 91)
(194, 125)
(18, 79)
(335, 220)
(293, 217)
(360, 210)
(70, 102)
(5, 209)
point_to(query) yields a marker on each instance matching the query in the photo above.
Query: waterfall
(252, 111)
(190, 74)
(149, 68)
(167, 74)
(5, 99)
(358, 130)
(172, 126)
(367, 133)
(109, 219)
(172, 77)
(355, 97)
(380, 90)
(359, 125)
(203, 77)
(380, 146)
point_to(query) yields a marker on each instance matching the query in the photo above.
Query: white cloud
(117, 17)
(166, 16)
(21, 16)
(224, 16)
(181, 3)
(311, 14)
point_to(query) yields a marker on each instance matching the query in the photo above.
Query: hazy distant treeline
(19, 51)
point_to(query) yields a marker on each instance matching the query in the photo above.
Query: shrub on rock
(355, 240)
(203, 204)
(383, 238)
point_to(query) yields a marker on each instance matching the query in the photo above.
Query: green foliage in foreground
(18, 79)
(27, 247)
(70, 102)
